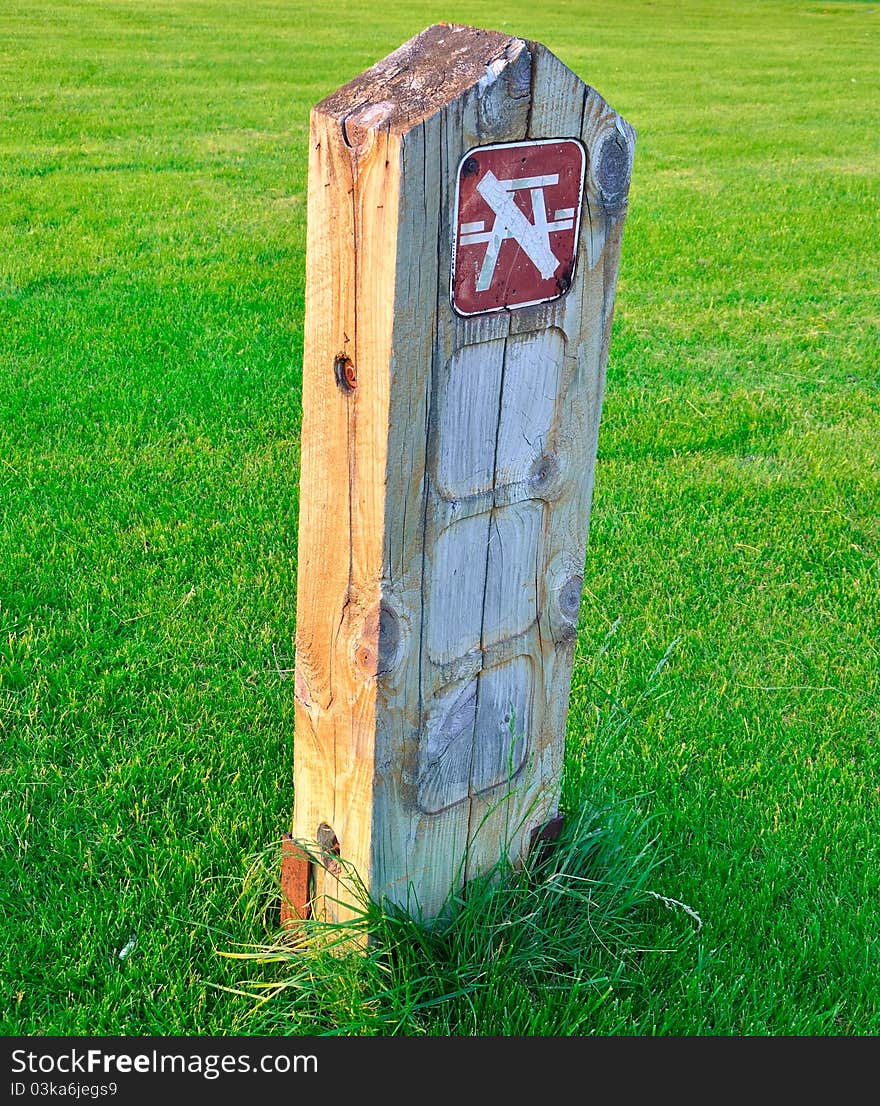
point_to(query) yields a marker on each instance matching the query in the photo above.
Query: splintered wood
(466, 202)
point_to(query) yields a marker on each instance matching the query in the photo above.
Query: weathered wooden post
(466, 202)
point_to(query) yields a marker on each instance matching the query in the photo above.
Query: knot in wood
(613, 172)
(377, 647)
(569, 597)
(328, 843)
(389, 639)
(543, 471)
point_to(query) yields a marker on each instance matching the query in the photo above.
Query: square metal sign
(516, 225)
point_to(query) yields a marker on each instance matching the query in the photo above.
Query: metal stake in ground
(466, 203)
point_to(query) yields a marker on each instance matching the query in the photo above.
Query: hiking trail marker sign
(466, 201)
(506, 252)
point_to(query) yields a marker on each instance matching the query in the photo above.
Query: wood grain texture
(445, 498)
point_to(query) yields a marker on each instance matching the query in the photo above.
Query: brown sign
(517, 216)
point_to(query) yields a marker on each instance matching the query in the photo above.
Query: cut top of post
(428, 71)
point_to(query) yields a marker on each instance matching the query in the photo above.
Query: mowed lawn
(727, 676)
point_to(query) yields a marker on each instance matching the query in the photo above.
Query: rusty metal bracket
(296, 877)
(543, 837)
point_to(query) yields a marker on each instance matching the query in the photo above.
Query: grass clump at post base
(535, 950)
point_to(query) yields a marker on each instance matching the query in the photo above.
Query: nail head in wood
(345, 374)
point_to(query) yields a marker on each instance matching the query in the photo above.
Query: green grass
(152, 230)
(535, 953)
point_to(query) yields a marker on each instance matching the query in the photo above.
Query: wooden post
(465, 207)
